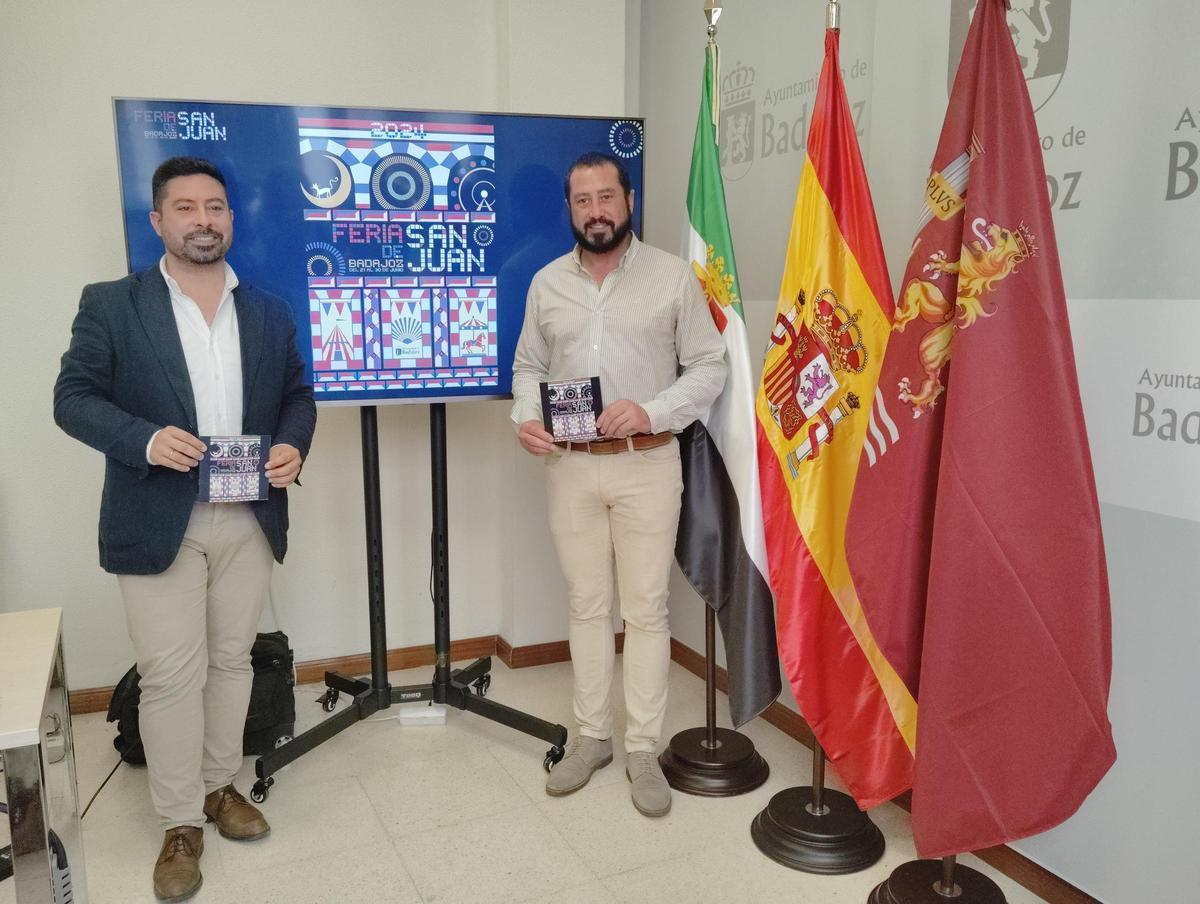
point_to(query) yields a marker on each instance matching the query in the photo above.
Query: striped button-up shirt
(645, 331)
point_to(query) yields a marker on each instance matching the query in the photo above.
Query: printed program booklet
(570, 409)
(233, 468)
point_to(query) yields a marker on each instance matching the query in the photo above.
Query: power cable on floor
(101, 788)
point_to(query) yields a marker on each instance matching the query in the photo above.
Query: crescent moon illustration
(336, 197)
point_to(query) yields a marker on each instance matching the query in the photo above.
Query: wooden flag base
(841, 840)
(724, 766)
(711, 761)
(816, 830)
(921, 882)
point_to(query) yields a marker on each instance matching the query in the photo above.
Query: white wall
(60, 229)
(1133, 284)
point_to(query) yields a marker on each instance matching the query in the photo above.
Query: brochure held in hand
(233, 468)
(570, 409)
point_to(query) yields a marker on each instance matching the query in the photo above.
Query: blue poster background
(404, 241)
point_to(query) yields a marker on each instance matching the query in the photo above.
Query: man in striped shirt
(635, 317)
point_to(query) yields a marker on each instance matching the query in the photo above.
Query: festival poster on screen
(404, 241)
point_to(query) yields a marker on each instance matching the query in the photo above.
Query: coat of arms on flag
(819, 345)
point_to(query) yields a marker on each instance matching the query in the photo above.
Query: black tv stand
(461, 688)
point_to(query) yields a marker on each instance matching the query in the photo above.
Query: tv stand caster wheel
(261, 790)
(329, 699)
(482, 684)
(553, 756)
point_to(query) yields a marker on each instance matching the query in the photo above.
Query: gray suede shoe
(584, 756)
(651, 793)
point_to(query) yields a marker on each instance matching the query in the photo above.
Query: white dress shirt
(214, 357)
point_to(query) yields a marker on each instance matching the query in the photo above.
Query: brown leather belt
(639, 441)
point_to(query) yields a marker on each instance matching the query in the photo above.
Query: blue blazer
(125, 376)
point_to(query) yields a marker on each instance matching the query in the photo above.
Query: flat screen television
(404, 240)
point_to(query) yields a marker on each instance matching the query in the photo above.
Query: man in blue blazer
(156, 360)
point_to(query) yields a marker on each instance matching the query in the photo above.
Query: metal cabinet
(37, 754)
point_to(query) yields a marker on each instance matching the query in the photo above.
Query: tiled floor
(414, 814)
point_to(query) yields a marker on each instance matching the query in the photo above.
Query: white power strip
(413, 714)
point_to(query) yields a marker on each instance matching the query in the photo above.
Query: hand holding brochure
(570, 409)
(233, 468)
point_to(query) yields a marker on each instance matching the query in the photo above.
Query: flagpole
(814, 829)
(712, 761)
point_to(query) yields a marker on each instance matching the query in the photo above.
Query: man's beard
(205, 254)
(602, 246)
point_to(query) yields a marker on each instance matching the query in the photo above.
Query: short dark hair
(595, 158)
(180, 166)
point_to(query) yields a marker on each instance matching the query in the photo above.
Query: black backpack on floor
(270, 719)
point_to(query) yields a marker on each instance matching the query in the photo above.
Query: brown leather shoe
(235, 816)
(177, 870)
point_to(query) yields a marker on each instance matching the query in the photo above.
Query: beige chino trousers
(623, 508)
(192, 627)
